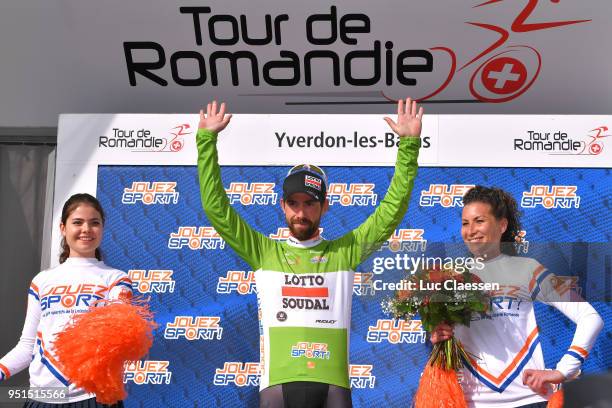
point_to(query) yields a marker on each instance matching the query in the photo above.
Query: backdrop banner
(166, 56)
(206, 350)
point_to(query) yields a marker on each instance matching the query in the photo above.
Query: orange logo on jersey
(72, 295)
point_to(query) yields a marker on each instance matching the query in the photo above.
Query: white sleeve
(20, 356)
(588, 325)
(120, 285)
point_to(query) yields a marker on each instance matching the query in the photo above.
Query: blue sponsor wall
(573, 240)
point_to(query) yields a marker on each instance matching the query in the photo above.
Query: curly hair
(69, 206)
(503, 205)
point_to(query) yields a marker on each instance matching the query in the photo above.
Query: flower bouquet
(440, 296)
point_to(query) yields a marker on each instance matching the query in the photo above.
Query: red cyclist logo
(177, 143)
(595, 146)
(503, 73)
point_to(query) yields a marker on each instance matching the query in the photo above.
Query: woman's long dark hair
(69, 206)
(503, 205)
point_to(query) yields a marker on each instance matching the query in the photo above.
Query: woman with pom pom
(58, 294)
(506, 368)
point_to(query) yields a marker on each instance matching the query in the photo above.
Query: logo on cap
(312, 182)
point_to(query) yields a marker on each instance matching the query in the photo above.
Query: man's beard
(304, 234)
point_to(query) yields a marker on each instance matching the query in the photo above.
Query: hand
(442, 332)
(408, 119)
(539, 380)
(213, 120)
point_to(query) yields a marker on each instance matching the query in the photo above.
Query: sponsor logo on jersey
(152, 281)
(283, 234)
(363, 284)
(251, 193)
(147, 372)
(405, 240)
(194, 328)
(69, 296)
(242, 282)
(503, 301)
(196, 238)
(318, 259)
(396, 331)
(324, 321)
(305, 292)
(240, 374)
(446, 195)
(312, 182)
(310, 350)
(551, 197)
(361, 376)
(155, 192)
(355, 194)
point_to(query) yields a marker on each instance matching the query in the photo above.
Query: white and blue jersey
(55, 295)
(506, 342)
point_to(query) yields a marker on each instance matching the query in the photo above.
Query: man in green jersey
(304, 284)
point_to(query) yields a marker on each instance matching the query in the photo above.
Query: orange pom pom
(439, 388)
(94, 347)
(556, 400)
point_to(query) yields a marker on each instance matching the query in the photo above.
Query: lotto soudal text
(305, 292)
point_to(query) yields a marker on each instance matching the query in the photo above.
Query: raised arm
(380, 225)
(233, 229)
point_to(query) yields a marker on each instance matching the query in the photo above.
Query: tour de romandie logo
(504, 69)
(559, 143)
(142, 139)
